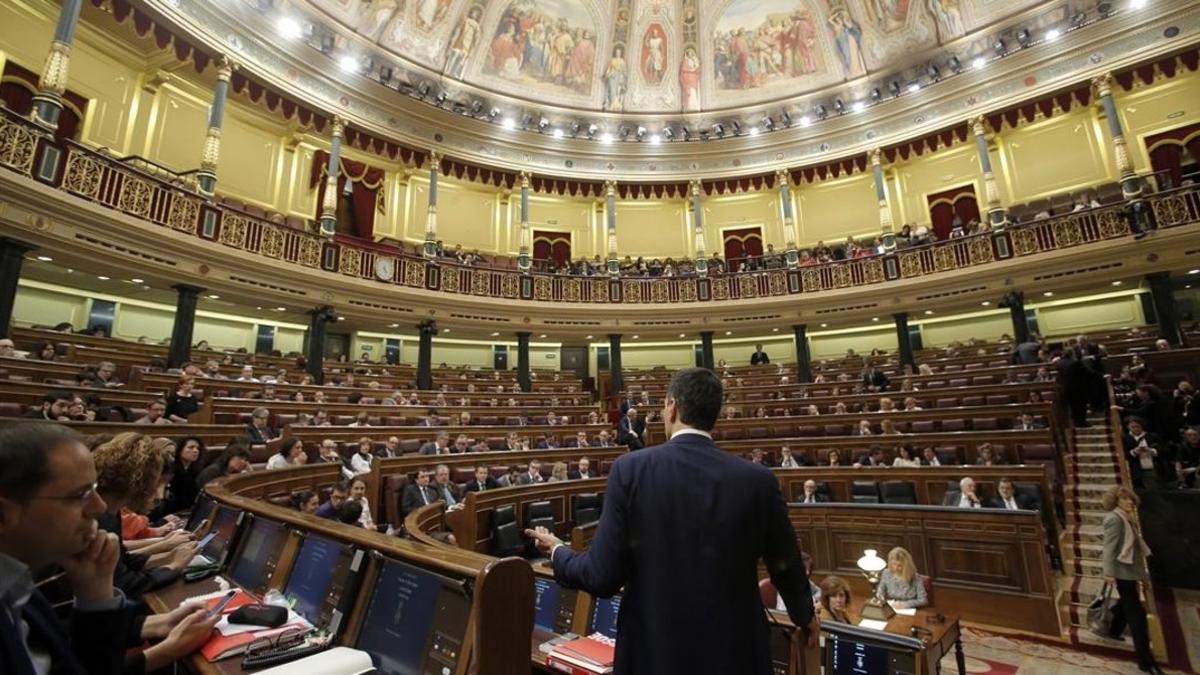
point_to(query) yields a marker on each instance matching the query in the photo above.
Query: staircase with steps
(1091, 469)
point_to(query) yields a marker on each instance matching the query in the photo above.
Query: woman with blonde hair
(835, 600)
(1124, 561)
(900, 585)
(559, 472)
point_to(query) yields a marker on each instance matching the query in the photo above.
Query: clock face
(385, 268)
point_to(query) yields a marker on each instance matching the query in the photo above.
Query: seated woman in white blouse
(904, 457)
(900, 585)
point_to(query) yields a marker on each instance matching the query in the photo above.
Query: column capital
(525, 176)
(979, 125)
(799, 327)
(708, 333)
(615, 336)
(900, 315)
(1103, 84)
(435, 158)
(188, 289)
(524, 334)
(783, 177)
(876, 156)
(695, 187)
(8, 244)
(339, 127)
(225, 68)
(610, 187)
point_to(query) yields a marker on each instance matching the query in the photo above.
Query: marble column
(997, 215)
(706, 349)
(610, 222)
(525, 235)
(186, 299)
(803, 358)
(425, 355)
(1131, 183)
(886, 225)
(791, 253)
(207, 175)
(698, 231)
(430, 248)
(12, 256)
(904, 339)
(1163, 295)
(47, 103)
(523, 362)
(614, 364)
(314, 354)
(330, 202)
(1015, 301)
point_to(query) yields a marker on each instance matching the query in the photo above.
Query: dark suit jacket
(411, 499)
(431, 448)
(257, 435)
(624, 437)
(473, 485)
(575, 475)
(875, 379)
(997, 502)
(702, 566)
(97, 639)
(1135, 465)
(820, 498)
(759, 358)
(545, 445)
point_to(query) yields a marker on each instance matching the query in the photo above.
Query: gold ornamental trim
(54, 74)
(350, 261)
(310, 252)
(18, 146)
(233, 230)
(83, 174)
(184, 214)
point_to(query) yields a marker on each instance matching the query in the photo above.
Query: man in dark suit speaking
(683, 528)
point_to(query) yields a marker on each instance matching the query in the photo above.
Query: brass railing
(106, 180)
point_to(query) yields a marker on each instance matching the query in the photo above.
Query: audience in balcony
(834, 458)
(55, 407)
(559, 473)
(811, 495)
(550, 442)
(900, 585)
(291, 453)
(759, 357)
(874, 379)
(101, 375)
(439, 446)
(862, 429)
(305, 501)
(965, 496)
(1186, 457)
(182, 489)
(511, 478)
(358, 496)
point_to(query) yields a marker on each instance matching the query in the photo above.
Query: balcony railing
(102, 179)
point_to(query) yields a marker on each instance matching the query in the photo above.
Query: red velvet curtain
(743, 242)
(943, 206)
(1167, 150)
(17, 87)
(554, 246)
(366, 190)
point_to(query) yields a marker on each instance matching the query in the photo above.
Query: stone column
(207, 175)
(791, 252)
(12, 256)
(698, 231)
(1131, 184)
(430, 248)
(330, 202)
(523, 362)
(885, 210)
(610, 221)
(525, 236)
(904, 340)
(1163, 295)
(706, 349)
(997, 215)
(47, 103)
(803, 359)
(314, 355)
(614, 364)
(186, 300)
(425, 355)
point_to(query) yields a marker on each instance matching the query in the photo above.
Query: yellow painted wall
(982, 326)
(936, 173)
(833, 210)
(1102, 313)
(834, 345)
(780, 348)
(1051, 156)
(43, 307)
(652, 228)
(1168, 104)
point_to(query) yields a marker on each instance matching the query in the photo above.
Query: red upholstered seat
(972, 400)
(984, 423)
(836, 430)
(947, 402)
(981, 380)
(959, 382)
(768, 594)
(999, 399)
(922, 427)
(955, 424)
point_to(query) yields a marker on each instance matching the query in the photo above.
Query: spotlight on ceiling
(606, 137)
(821, 111)
(1053, 34)
(574, 129)
(509, 123)
(423, 89)
(787, 118)
(933, 72)
(289, 27)
(978, 62)
(542, 124)
(654, 139)
(753, 131)
(768, 123)
(348, 63)
(838, 106)
(737, 127)
(641, 133)
(1078, 19)
(684, 133)
(557, 133)
(1000, 47)
(591, 130)
(955, 64)
(718, 130)
(894, 88)
(327, 44)
(668, 133)
(1024, 38)
(858, 106)
(914, 87)
(805, 120)
(1138, 4)
(876, 95)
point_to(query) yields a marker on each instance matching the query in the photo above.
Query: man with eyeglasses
(48, 511)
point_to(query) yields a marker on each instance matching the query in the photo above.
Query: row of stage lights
(292, 28)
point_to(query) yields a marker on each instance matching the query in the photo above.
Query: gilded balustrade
(124, 187)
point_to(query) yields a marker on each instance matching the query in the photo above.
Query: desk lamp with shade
(872, 565)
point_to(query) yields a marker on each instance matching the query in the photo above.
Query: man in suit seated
(337, 496)
(482, 481)
(789, 461)
(417, 494)
(580, 440)
(50, 509)
(811, 496)
(1009, 499)
(439, 446)
(661, 560)
(513, 442)
(461, 444)
(759, 357)
(55, 405)
(1027, 422)
(757, 456)
(874, 379)
(430, 419)
(550, 442)
(873, 458)
(631, 430)
(511, 478)
(1145, 452)
(585, 470)
(604, 439)
(964, 497)
(1186, 457)
(446, 490)
(929, 457)
(257, 430)
(533, 475)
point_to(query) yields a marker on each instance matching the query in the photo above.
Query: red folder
(592, 655)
